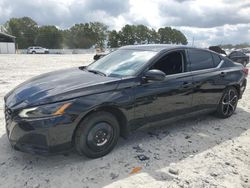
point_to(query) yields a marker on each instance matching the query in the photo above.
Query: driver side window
(172, 63)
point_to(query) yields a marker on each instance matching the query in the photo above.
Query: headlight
(44, 110)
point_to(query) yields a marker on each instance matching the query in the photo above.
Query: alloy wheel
(229, 102)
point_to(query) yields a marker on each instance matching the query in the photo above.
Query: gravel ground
(198, 152)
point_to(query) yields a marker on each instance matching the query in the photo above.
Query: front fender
(119, 99)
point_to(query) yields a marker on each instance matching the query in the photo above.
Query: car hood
(58, 86)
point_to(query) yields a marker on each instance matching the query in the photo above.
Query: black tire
(228, 103)
(33, 52)
(97, 134)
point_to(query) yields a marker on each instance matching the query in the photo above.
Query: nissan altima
(88, 108)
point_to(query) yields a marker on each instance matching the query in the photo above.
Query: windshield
(122, 63)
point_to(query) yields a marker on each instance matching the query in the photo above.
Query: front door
(159, 100)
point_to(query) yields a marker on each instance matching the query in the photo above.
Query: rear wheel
(228, 103)
(97, 134)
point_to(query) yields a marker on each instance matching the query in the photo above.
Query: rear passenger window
(235, 54)
(217, 60)
(200, 59)
(240, 54)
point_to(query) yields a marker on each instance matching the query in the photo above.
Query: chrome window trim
(191, 72)
(188, 73)
(209, 69)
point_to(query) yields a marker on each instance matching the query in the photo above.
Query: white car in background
(37, 50)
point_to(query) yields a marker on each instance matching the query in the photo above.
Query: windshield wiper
(97, 72)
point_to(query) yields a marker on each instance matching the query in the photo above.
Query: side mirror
(154, 75)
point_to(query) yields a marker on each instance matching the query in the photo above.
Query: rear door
(207, 78)
(39, 50)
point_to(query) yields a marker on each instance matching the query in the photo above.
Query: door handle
(186, 84)
(222, 74)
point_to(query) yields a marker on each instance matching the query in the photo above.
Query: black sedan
(88, 108)
(239, 57)
(236, 56)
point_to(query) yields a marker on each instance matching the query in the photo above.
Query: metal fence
(63, 51)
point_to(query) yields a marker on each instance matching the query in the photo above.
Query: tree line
(237, 46)
(86, 35)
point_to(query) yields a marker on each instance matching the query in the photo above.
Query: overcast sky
(208, 21)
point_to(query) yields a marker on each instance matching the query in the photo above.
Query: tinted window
(217, 60)
(171, 63)
(240, 54)
(200, 59)
(235, 54)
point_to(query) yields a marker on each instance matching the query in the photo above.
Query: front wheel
(97, 134)
(228, 103)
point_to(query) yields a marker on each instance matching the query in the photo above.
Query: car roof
(154, 47)
(163, 48)
(237, 51)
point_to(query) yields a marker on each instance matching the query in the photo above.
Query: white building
(7, 44)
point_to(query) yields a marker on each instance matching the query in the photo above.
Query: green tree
(100, 31)
(142, 34)
(153, 37)
(178, 37)
(113, 39)
(80, 36)
(24, 29)
(167, 35)
(85, 35)
(49, 37)
(127, 35)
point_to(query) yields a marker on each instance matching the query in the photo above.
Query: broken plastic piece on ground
(142, 157)
(135, 170)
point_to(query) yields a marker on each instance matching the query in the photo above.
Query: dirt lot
(199, 152)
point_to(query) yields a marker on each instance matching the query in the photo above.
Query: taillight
(245, 70)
